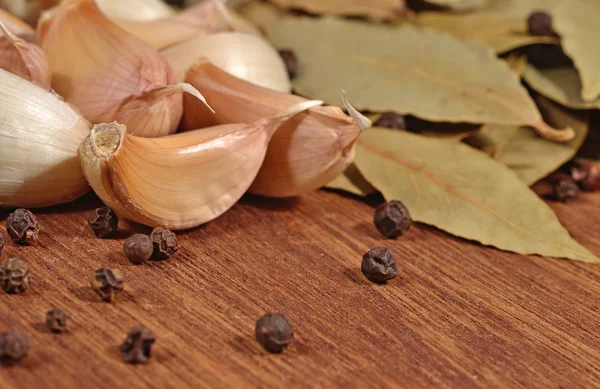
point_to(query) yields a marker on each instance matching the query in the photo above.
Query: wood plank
(459, 315)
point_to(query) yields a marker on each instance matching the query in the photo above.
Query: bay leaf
(260, 13)
(501, 24)
(561, 84)
(352, 181)
(530, 156)
(577, 22)
(464, 192)
(371, 9)
(424, 73)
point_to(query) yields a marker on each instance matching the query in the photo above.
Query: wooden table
(459, 315)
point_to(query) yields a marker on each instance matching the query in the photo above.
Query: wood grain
(459, 316)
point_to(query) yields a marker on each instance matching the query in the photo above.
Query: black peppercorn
(291, 62)
(274, 332)
(22, 227)
(539, 23)
(13, 347)
(14, 276)
(138, 248)
(565, 191)
(587, 175)
(164, 242)
(104, 222)
(392, 219)
(138, 345)
(107, 283)
(391, 120)
(56, 320)
(379, 265)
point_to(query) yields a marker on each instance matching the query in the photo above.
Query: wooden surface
(459, 315)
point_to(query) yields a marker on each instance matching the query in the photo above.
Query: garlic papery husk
(39, 137)
(246, 56)
(109, 74)
(23, 58)
(178, 181)
(136, 10)
(17, 26)
(202, 19)
(307, 152)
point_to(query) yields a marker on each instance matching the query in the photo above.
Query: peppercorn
(14, 276)
(391, 120)
(164, 242)
(539, 23)
(586, 174)
(565, 191)
(104, 222)
(138, 248)
(56, 320)
(13, 347)
(392, 219)
(138, 345)
(379, 265)
(274, 332)
(22, 227)
(291, 62)
(107, 283)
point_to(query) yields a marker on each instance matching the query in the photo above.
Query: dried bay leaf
(402, 69)
(352, 181)
(464, 192)
(577, 22)
(371, 9)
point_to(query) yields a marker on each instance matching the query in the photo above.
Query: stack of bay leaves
(498, 109)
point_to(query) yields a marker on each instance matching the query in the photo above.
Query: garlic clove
(246, 56)
(24, 59)
(17, 26)
(39, 137)
(135, 10)
(107, 73)
(306, 153)
(178, 181)
(201, 19)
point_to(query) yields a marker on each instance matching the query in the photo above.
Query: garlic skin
(245, 56)
(39, 137)
(135, 10)
(306, 153)
(24, 59)
(109, 74)
(178, 181)
(17, 26)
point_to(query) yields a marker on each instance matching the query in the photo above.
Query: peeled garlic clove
(107, 73)
(137, 10)
(246, 56)
(23, 59)
(202, 19)
(39, 137)
(178, 181)
(17, 26)
(307, 152)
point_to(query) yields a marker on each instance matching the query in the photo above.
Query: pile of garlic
(116, 103)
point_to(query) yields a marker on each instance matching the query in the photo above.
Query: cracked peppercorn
(164, 242)
(274, 332)
(104, 222)
(539, 23)
(13, 347)
(378, 265)
(137, 346)
(22, 227)
(392, 219)
(107, 283)
(56, 320)
(291, 62)
(391, 120)
(14, 276)
(565, 191)
(138, 248)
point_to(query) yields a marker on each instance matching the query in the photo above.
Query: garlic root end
(361, 121)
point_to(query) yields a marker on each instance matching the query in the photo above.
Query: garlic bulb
(109, 74)
(17, 26)
(178, 181)
(39, 137)
(306, 153)
(246, 56)
(23, 59)
(138, 10)
(201, 19)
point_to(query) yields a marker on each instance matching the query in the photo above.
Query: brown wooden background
(459, 316)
